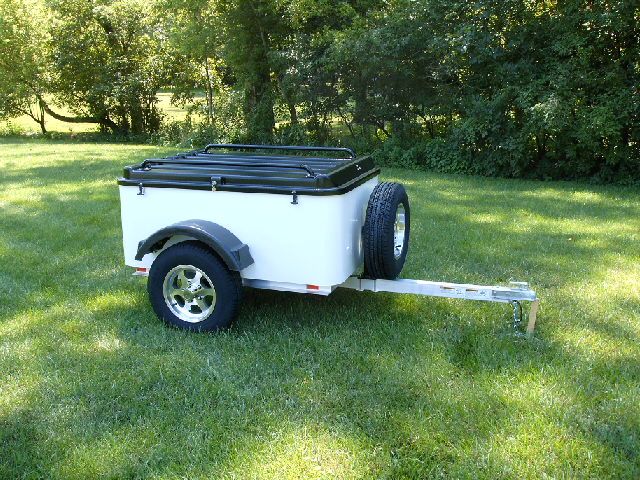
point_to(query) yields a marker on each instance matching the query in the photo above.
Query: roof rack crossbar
(302, 166)
(233, 146)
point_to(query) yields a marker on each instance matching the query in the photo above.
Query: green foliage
(107, 61)
(23, 73)
(432, 154)
(516, 89)
(499, 88)
(550, 90)
(186, 134)
(199, 129)
(10, 129)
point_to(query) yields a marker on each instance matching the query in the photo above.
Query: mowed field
(356, 385)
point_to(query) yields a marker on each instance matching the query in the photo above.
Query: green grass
(356, 385)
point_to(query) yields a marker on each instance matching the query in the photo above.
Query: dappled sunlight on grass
(16, 394)
(349, 386)
(534, 446)
(108, 343)
(600, 344)
(305, 450)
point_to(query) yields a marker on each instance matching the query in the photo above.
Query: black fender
(229, 248)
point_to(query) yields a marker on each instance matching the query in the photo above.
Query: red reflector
(141, 269)
(313, 287)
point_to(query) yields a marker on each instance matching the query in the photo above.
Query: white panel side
(317, 241)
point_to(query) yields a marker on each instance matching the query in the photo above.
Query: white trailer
(205, 223)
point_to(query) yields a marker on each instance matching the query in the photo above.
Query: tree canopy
(494, 87)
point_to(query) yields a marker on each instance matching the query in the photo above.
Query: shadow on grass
(366, 384)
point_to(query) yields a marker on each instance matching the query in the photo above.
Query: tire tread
(377, 234)
(198, 252)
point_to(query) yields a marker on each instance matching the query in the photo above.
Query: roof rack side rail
(168, 161)
(233, 146)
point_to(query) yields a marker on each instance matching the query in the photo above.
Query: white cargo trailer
(304, 219)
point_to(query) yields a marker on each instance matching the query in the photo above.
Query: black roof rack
(240, 168)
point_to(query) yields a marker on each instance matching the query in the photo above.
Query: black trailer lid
(256, 169)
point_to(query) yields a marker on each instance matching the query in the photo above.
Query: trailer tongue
(514, 294)
(202, 224)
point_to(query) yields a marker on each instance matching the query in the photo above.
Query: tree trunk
(104, 121)
(258, 110)
(259, 101)
(37, 117)
(136, 114)
(209, 92)
(346, 122)
(293, 113)
(288, 100)
(41, 122)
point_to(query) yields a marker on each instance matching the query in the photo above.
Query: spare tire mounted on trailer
(385, 235)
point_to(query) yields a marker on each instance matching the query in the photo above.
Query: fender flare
(229, 248)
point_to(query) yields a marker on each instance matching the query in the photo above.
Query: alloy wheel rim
(399, 232)
(189, 293)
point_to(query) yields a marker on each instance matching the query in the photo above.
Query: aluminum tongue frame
(514, 294)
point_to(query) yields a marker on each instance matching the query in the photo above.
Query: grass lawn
(356, 385)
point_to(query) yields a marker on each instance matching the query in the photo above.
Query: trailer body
(301, 216)
(305, 219)
(316, 241)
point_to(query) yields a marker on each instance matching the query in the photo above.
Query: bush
(10, 129)
(186, 134)
(433, 154)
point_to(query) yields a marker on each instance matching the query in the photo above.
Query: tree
(255, 24)
(108, 61)
(551, 90)
(192, 29)
(23, 67)
(226, 42)
(492, 87)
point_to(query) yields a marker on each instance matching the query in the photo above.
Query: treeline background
(538, 89)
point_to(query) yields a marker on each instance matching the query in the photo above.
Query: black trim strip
(248, 188)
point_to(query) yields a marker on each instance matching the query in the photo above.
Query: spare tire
(385, 235)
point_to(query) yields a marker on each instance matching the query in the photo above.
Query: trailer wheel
(190, 288)
(385, 235)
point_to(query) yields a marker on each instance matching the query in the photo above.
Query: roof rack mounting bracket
(216, 182)
(309, 170)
